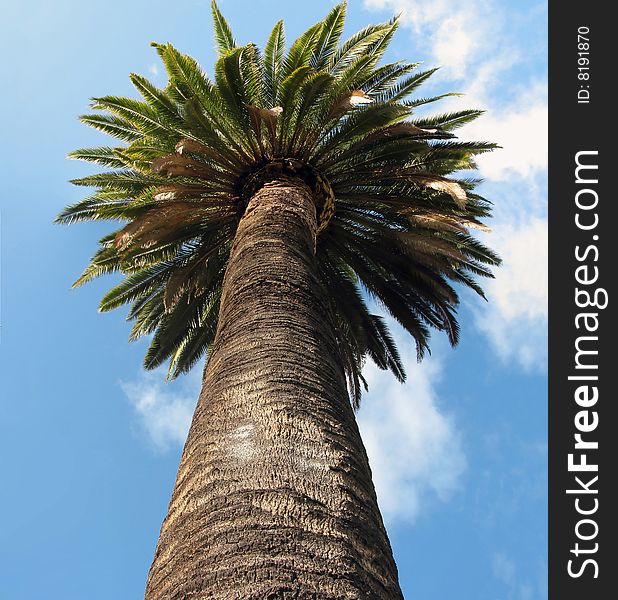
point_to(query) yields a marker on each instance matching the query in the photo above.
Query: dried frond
(440, 184)
(157, 225)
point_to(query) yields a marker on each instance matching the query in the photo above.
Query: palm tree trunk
(273, 497)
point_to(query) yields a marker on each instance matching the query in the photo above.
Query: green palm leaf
(273, 62)
(332, 28)
(223, 33)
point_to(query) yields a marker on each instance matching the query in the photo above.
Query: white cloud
(414, 448)
(454, 43)
(154, 69)
(164, 410)
(519, 127)
(520, 289)
(515, 319)
(457, 32)
(476, 50)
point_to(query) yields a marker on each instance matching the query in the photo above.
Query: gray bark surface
(273, 497)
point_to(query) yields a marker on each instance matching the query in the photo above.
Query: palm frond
(223, 34)
(112, 125)
(273, 62)
(332, 28)
(301, 51)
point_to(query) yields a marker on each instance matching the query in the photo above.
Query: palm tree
(262, 209)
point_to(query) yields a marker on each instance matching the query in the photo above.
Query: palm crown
(390, 222)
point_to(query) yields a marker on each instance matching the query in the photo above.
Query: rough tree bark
(273, 497)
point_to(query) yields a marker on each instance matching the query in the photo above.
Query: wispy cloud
(414, 447)
(503, 568)
(518, 126)
(476, 50)
(457, 34)
(515, 319)
(163, 410)
(517, 586)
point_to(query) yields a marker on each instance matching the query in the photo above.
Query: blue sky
(89, 444)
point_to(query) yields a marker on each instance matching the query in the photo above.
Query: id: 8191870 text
(583, 65)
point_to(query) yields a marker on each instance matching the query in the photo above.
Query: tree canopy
(394, 216)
